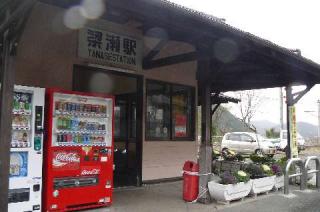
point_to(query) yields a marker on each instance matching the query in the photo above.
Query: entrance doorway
(128, 91)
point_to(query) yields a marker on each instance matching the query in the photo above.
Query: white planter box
(262, 185)
(279, 182)
(226, 193)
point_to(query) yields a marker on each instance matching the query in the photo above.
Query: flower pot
(226, 193)
(278, 182)
(262, 185)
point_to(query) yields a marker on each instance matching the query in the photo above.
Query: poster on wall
(293, 131)
(180, 127)
(110, 48)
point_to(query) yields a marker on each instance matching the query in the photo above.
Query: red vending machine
(78, 165)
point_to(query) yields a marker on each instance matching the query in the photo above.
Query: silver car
(247, 143)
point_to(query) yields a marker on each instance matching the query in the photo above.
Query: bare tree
(250, 103)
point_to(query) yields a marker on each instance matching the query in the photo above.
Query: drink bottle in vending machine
(79, 151)
(25, 173)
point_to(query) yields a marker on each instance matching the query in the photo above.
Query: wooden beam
(171, 60)
(25, 5)
(148, 58)
(297, 96)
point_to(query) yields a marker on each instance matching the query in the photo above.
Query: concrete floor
(167, 197)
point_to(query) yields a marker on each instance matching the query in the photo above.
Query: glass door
(125, 149)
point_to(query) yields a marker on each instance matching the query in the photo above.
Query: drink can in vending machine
(57, 105)
(78, 107)
(69, 137)
(65, 138)
(64, 106)
(74, 107)
(82, 108)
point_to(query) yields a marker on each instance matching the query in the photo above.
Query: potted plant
(278, 172)
(231, 187)
(262, 177)
(215, 154)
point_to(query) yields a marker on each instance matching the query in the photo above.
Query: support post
(289, 100)
(6, 98)
(205, 157)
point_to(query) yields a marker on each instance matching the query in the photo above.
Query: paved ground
(167, 197)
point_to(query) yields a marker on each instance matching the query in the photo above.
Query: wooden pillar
(289, 100)
(205, 155)
(6, 99)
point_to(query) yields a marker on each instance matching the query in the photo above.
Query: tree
(272, 133)
(249, 103)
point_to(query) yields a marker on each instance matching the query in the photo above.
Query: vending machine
(79, 151)
(25, 174)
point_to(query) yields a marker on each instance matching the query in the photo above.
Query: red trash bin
(190, 181)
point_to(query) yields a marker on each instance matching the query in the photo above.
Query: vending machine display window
(18, 164)
(21, 120)
(81, 120)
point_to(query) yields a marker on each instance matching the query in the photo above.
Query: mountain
(223, 121)
(307, 130)
(264, 125)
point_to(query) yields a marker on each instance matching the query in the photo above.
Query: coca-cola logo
(63, 158)
(90, 172)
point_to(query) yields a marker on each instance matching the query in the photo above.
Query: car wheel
(258, 152)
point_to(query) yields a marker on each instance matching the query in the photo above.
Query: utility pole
(281, 109)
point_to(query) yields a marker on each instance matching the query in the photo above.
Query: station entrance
(127, 131)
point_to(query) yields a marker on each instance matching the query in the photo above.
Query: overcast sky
(289, 23)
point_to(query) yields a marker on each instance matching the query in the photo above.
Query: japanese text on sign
(109, 47)
(293, 131)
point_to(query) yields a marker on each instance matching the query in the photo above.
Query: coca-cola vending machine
(78, 165)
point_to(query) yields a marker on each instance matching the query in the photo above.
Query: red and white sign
(66, 160)
(90, 170)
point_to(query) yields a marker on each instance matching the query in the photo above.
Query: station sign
(110, 48)
(293, 131)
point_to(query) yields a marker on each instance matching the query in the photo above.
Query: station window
(169, 112)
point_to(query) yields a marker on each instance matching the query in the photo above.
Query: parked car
(247, 143)
(284, 141)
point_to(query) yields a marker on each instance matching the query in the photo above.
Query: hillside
(223, 121)
(307, 130)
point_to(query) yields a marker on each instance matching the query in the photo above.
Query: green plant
(230, 155)
(255, 171)
(267, 170)
(232, 178)
(276, 169)
(242, 176)
(215, 154)
(228, 178)
(260, 159)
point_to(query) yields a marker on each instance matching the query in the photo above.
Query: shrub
(267, 170)
(261, 159)
(215, 154)
(276, 169)
(242, 176)
(228, 178)
(255, 171)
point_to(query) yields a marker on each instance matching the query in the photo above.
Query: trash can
(190, 181)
